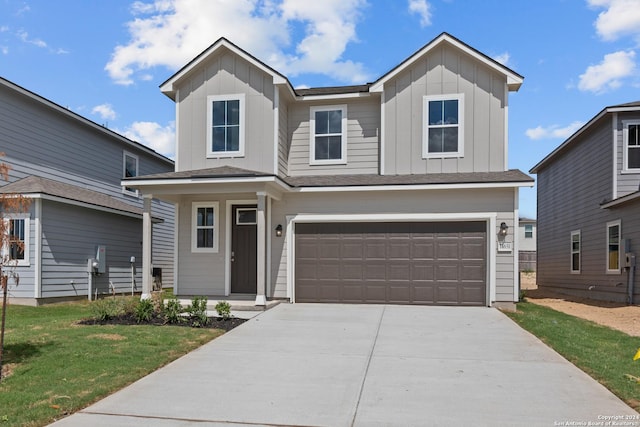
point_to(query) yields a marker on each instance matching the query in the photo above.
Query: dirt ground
(617, 316)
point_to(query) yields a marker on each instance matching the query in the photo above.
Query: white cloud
(3, 28)
(24, 36)
(4, 50)
(553, 131)
(105, 111)
(608, 74)
(172, 32)
(621, 17)
(153, 135)
(503, 58)
(421, 8)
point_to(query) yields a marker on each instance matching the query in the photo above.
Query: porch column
(146, 248)
(261, 298)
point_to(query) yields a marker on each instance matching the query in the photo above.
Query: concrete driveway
(364, 365)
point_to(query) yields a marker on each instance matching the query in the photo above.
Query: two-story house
(589, 209)
(71, 170)
(395, 191)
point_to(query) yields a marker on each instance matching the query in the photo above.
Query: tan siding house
(395, 191)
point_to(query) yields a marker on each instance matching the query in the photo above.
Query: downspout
(631, 276)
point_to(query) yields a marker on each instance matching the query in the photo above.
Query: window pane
(575, 262)
(130, 167)
(614, 233)
(335, 121)
(209, 217)
(219, 113)
(322, 122)
(614, 247)
(16, 239)
(633, 159)
(335, 147)
(451, 111)
(634, 134)
(450, 140)
(219, 139)
(233, 112)
(201, 216)
(435, 140)
(322, 148)
(246, 216)
(435, 112)
(233, 138)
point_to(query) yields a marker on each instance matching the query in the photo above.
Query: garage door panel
(403, 263)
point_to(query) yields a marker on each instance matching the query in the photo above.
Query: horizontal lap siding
(363, 118)
(70, 236)
(627, 182)
(570, 191)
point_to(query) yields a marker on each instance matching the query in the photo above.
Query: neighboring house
(389, 192)
(527, 244)
(589, 208)
(71, 169)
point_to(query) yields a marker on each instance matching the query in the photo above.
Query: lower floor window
(16, 248)
(205, 227)
(575, 251)
(613, 246)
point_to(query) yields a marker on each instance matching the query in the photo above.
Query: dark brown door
(243, 249)
(441, 263)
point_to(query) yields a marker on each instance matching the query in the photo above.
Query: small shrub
(198, 312)
(144, 311)
(224, 309)
(107, 308)
(523, 296)
(173, 311)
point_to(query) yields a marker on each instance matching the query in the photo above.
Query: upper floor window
(631, 132)
(225, 125)
(443, 126)
(613, 246)
(528, 231)
(328, 130)
(130, 169)
(575, 251)
(205, 227)
(17, 247)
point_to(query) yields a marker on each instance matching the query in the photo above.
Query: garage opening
(427, 263)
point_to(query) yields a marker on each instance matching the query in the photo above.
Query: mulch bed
(214, 322)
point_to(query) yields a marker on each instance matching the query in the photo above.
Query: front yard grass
(603, 353)
(57, 366)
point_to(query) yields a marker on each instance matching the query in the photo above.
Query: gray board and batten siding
(40, 138)
(226, 73)
(571, 190)
(445, 70)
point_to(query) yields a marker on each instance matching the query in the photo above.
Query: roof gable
(169, 86)
(514, 80)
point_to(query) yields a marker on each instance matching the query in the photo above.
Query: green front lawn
(603, 353)
(57, 366)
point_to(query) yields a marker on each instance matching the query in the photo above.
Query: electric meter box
(101, 259)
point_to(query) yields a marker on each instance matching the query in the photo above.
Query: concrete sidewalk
(364, 365)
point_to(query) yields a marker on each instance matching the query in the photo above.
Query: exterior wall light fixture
(503, 229)
(279, 230)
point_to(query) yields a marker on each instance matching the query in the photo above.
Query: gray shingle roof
(38, 185)
(513, 175)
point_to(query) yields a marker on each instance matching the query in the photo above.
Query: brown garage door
(441, 263)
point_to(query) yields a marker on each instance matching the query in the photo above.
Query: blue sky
(105, 59)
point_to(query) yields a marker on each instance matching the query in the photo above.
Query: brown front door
(243, 249)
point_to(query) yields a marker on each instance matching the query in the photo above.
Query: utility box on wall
(101, 259)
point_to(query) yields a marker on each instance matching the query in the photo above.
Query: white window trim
(425, 126)
(579, 252)
(609, 225)
(126, 154)
(194, 229)
(226, 154)
(525, 231)
(312, 135)
(27, 240)
(625, 145)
